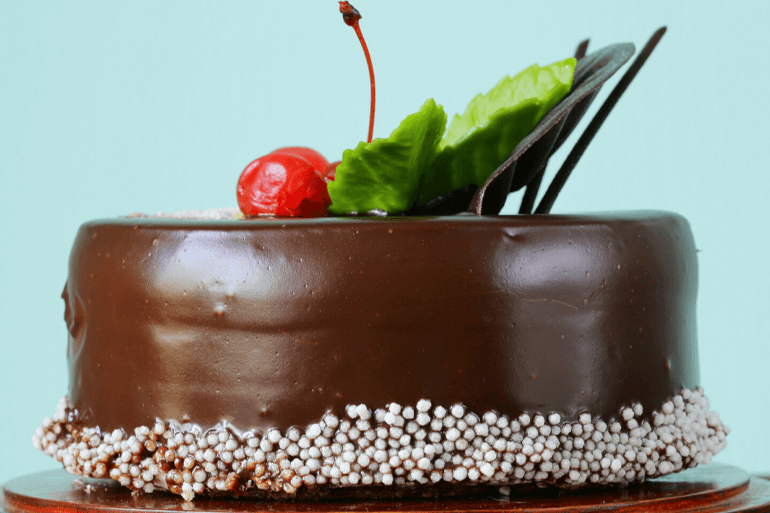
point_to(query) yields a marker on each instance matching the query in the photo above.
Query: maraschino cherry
(283, 184)
(316, 160)
(292, 181)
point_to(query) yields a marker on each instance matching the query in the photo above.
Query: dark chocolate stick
(580, 52)
(572, 159)
(530, 193)
(533, 187)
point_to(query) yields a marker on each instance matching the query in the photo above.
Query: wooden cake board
(707, 488)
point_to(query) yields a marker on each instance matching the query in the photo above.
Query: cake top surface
(227, 218)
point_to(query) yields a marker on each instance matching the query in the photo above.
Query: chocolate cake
(294, 357)
(417, 354)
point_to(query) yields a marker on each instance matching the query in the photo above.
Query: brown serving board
(708, 488)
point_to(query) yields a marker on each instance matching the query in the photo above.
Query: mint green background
(112, 107)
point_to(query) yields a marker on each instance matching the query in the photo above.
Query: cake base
(713, 487)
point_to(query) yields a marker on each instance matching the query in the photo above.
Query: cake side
(271, 324)
(296, 357)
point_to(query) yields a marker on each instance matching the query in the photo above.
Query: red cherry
(282, 184)
(316, 160)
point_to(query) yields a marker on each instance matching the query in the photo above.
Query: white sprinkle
(363, 412)
(423, 405)
(490, 418)
(689, 434)
(331, 420)
(394, 408)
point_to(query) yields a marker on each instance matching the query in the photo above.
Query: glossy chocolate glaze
(270, 323)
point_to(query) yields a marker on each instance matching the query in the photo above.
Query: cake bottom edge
(399, 451)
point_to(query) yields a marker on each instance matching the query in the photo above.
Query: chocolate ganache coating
(272, 322)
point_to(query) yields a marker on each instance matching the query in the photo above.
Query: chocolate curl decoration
(516, 172)
(572, 159)
(531, 155)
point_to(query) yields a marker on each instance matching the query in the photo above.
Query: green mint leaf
(477, 142)
(385, 174)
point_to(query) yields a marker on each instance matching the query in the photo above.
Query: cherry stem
(351, 16)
